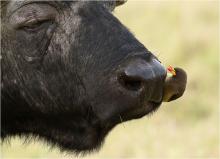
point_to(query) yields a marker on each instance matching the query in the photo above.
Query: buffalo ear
(120, 2)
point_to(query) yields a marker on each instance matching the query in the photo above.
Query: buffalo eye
(35, 26)
(33, 17)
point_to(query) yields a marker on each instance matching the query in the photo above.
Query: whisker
(121, 121)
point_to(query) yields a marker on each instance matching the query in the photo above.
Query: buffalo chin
(88, 136)
(74, 135)
(91, 137)
(72, 132)
(84, 140)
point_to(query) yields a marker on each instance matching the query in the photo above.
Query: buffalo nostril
(143, 76)
(130, 83)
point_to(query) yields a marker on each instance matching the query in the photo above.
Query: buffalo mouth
(139, 112)
(74, 133)
(136, 113)
(89, 134)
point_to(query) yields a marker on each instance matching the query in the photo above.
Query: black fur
(60, 63)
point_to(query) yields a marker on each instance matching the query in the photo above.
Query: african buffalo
(71, 71)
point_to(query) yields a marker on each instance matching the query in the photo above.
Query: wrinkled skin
(71, 71)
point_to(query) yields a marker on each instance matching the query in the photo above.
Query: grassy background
(184, 34)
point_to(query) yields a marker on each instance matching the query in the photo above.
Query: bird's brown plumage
(175, 86)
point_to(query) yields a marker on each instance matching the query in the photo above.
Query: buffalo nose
(140, 75)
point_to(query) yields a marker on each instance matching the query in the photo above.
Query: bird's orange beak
(171, 70)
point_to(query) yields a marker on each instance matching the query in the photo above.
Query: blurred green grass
(184, 34)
